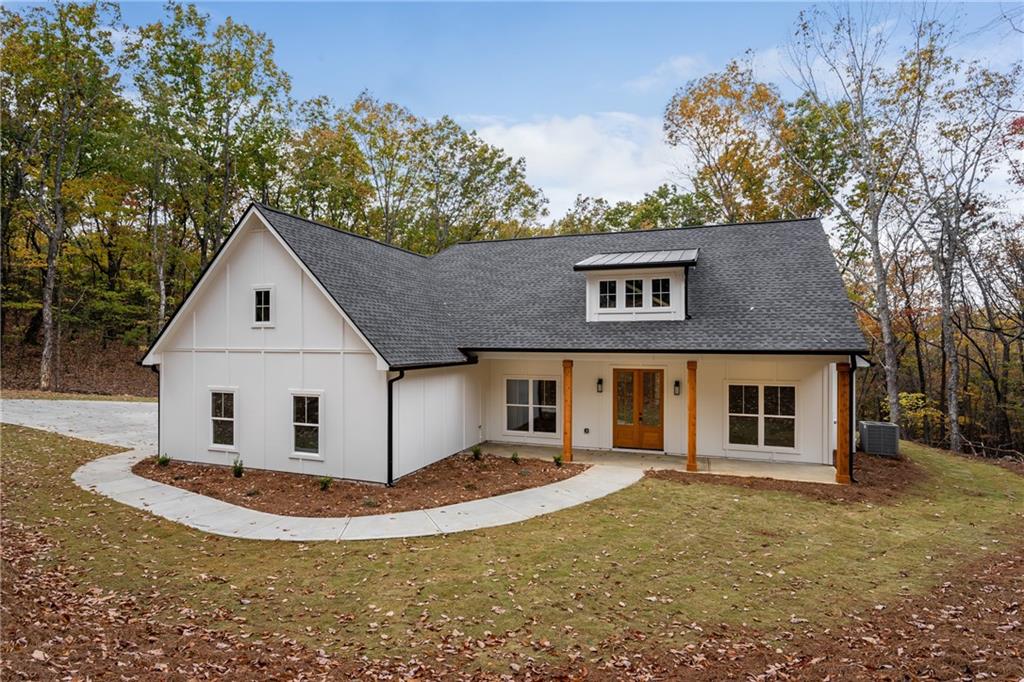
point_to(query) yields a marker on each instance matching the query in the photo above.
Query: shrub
(237, 468)
(325, 482)
(557, 459)
(515, 457)
(477, 453)
(163, 460)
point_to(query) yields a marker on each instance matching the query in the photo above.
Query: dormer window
(637, 286)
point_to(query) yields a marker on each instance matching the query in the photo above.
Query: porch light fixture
(676, 388)
(600, 385)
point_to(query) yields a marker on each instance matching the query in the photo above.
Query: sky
(577, 89)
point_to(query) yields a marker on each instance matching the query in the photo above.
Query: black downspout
(853, 413)
(686, 291)
(391, 427)
(156, 370)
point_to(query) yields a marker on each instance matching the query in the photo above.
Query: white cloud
(613, 155)
(672, 72)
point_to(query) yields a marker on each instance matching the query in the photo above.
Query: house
(308, 349)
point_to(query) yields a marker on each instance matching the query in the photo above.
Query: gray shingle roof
(758, 287)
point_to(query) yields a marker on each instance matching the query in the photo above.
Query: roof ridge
(334, 228)
(655, 229)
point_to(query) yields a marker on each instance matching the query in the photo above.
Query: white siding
(437, 413)
(309, 347)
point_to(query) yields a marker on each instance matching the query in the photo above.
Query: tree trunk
(47, 370)
(888, 340)
(953, 384)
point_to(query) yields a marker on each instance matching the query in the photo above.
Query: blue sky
(577, 89)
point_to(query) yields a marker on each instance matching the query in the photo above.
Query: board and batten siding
(310, 347)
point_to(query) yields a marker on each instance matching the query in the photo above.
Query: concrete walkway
(134, 425)
(112, 476)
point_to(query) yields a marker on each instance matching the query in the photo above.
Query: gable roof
(769, 287)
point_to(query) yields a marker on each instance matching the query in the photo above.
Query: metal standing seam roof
(638, 259)
(768, 287)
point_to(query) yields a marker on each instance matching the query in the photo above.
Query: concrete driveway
(133, 425)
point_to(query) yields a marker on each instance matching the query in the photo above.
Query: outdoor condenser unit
(880, 438)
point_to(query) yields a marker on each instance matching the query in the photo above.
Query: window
(306, 424)
(634, 293)
(531, 405)
(222, 416)
(762, 416)
(261, 307)
(607, 294)
(660, 292)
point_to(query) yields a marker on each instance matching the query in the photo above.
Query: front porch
(720, 466)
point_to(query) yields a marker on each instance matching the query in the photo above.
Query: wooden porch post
(566, 410)
(691, 415)
(843, 423)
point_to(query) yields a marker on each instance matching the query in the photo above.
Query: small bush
(162, 460)
(557, 459)
(370, 502)
(325, 482)
(515, 457)
(237, 468)
(477, 453)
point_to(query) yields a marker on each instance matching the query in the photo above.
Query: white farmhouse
(309, 349)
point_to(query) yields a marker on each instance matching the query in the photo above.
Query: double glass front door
(639, 415)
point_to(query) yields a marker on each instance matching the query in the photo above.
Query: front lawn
(650, 569)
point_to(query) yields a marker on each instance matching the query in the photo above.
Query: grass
(26, 394)
(652, 559)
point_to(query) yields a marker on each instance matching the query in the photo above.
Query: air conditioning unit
(880, 438)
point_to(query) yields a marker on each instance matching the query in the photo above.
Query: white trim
(269, 324)
(317, 456)
(153, 356)
(222, 447)
(761, 447)
(557, 433)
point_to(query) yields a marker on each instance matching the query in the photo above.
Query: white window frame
(761, 447)
(294, 393)
(647, 311)
(252, 305)
(220, 447)
(531, 405)
(670, 294)
(614, 294)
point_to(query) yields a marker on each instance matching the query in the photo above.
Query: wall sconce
(676, 388)
(600, 385)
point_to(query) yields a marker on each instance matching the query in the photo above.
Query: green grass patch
(653, 558)
(25, 394)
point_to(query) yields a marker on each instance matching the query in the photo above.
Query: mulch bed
(458, 478)
(880, 480)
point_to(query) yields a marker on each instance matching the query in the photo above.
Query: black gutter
(648, 351)
(391, 427)
(470, 360)
(156, 370)
(853, 412)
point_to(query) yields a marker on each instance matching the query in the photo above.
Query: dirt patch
(86, 366)
(880, 480)
(458, 478)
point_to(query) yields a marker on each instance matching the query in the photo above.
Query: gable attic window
(607, 293)
(262, 306)
(638, 286)
(634, 293)
(661, 292)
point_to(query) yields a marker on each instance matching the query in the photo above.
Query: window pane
(544, 419)
(298, 408)
(517, 391)
(735, 399)
(787, 400)
(312, 410)
(771, 400)
(634, 293)
(518, 418)
(229, 405)
(307, 439)
(660, 293)
(223, 432)
(743, 430)
(544, 392)
(215, 404)
(750, 401)
(607, 294)
(779, 432)
(650, 409)
(624, 398)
